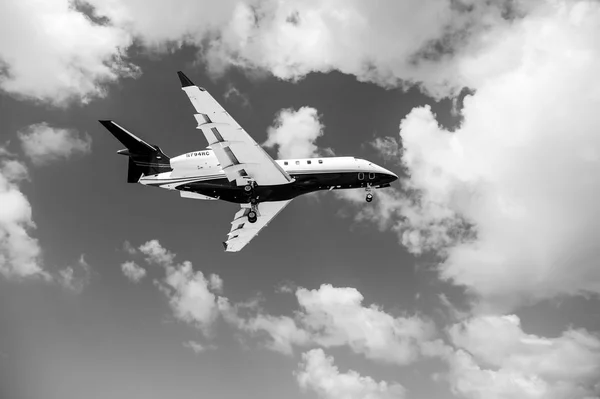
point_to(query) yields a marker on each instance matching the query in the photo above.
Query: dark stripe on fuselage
(305, 183)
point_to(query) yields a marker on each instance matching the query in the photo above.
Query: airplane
(236, 169)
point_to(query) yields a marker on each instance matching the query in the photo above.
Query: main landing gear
(252, 216)
(253, 200)
(369, 194)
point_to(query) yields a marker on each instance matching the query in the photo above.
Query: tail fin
(144, 159)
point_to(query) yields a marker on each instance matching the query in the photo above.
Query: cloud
(188, 22)
(317, 372)
(14, 170)
(75, 279)
(130, 249)
(518, 365)
(197, 347)
(42, 143)
(234, 95)
(156, 253)
(388, 147)
(332, 317)
(189, 292)
(134, 272)
(508, 199)
(394, 44)
(215, 283)
(49, 63)
(20, 254)
(283, 331)
(294, 133)
(189, 295)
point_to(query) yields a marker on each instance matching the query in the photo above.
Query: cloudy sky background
(476, 276)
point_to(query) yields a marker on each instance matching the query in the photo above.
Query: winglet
(225, 245)
(185, 81)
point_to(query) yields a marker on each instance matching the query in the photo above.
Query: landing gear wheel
(252, 217)
(248, 188)
(253, 200)
(369, 197)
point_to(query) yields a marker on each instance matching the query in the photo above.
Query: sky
(476, 275)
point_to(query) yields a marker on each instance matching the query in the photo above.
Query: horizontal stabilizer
(133, 143)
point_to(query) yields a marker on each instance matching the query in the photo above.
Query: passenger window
(361, 175)
(371, 176)
(320, 161)
(308, 162)
(285, 162)
(297, 162)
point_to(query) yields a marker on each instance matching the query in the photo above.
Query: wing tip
(185, 81)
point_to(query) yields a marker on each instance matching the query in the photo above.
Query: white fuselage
(204, 165)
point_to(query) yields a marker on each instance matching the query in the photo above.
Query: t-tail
(144, 159)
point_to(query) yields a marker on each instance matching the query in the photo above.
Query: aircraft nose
(391, 175)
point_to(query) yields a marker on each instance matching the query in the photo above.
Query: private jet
(236, 169)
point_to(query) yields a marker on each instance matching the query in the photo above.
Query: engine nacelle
(192, 162)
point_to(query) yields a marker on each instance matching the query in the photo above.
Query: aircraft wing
(242, 231)
(241, 158)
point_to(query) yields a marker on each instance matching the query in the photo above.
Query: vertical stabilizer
(144, 159)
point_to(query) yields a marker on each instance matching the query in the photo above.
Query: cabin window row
(361, 176)
(298, 162)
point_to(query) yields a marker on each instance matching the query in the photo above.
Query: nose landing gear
(369, 194)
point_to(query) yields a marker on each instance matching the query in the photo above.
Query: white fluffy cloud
(520, 169)
(42, 143)
(189, 292)
(48, 61)
(514, 364)
(14, 170)
(215, 283)
(133, 271)
(155, 253)
(189, 20)
(522, 165)
(332, 317)
(392, 43)
(20, 254)
(294, 133)
(318, 373)
(283, 331)
(189, 295)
